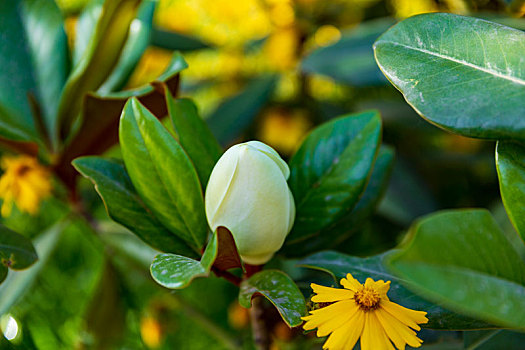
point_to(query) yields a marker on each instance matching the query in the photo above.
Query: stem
(228, 276)
(261, 338)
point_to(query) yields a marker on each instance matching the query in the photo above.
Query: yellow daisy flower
(25, 182)
(363, 311)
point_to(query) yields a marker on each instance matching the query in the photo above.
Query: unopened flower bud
(248, 194)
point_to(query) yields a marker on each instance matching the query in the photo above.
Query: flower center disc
(367, 299)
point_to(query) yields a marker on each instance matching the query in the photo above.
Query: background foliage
(271, 70)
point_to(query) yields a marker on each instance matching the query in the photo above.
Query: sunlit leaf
(162, 174)
(330, 170)
(462, 260)
(452, 68)
(194, 136)
(510, 162)
(125, 206)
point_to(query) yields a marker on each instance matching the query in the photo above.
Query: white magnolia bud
(248, 194)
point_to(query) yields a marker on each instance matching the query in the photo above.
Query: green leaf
(330, 170)
(235, 114)
(97, 61)
(451, 70)
(17, 78)
(351, 59)
(510, 162)
(462, 259)
(339, 265)
(176, 272)
(175, 41)
(18, 282)
(124, 205)
(280, 290)
(100, 117)
(16, 251)
(48, 45)
(194, 136)
(133, 50)
(163, 174)
(352, 221)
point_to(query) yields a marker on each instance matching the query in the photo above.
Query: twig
(261, 337)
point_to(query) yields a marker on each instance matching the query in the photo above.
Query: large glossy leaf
(163, 174)
(280, 290)
(16, 251)
(194, 136)
(339, 265)
(124, 205)
(235, 114)
(47, 41)
(17, 78)
(452, 70)
(176, 271)
(510, 162)
(330, 170)
(98, 59)
(138, 40)
(351, 59)
(100, 117)
(18, 282)
(463, 260)
(352, 221)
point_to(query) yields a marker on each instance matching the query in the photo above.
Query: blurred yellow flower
(327, 35)
(151, 332)
(284, 130)
(407, 8)
(363, 311)
(25, 182)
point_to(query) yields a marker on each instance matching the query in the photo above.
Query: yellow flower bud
(248, 194)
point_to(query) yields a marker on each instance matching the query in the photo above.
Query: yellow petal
(346, 336)
(398, 332)
(374, 337)
(409, 317)
(346, 311)
(351, 283)
(328, 294)
(326, 314)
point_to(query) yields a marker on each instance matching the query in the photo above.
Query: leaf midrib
(462, 62)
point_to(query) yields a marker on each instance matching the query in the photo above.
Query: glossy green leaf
(194, 136)
(163, 174)
(176, 41)
(138, 40)
(510, 162)
(16, 251)
(18, 282)
(100, 117)
(48, 45)
(85, 27)
(452, 68)
(351, 59)
(280, 290)
(235, 114)
(98, 59)
(17, 78)
(494, 339)
(352, 221)
(176, 271)
(462, 259)
(124, 205)
(339, 265)
(330, 170)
